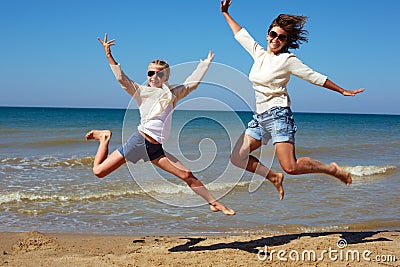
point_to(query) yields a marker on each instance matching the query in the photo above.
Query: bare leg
(241, 158)
(291, 165)
(172, 165)
(103, 163)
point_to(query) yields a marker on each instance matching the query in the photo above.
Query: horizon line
(120, 108)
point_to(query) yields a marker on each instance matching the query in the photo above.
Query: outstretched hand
(352, 92)
(209, 57)
(225, 5)
(106, 44)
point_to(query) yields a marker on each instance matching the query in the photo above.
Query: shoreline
(362, 248)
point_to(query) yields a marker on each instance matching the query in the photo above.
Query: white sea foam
(45, 162)
(369, 170)
(9, 197)
(18, 196)
(184, 189)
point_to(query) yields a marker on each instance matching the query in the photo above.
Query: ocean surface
(47, 183)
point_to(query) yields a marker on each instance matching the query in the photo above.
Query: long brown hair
(293, 26)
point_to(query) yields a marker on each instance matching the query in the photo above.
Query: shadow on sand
(251, 245)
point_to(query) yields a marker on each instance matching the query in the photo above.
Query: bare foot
(216, 207)
(276, 178)
(341, 174)
(100, 135)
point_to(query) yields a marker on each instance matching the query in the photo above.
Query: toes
(223, 209)
(229, 212)
(89, 135)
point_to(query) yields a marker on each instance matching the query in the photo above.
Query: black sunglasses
(281, 37)
(159, 74)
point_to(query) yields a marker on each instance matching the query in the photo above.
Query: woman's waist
(156, 129)
(273, 102)
(148, 137)
(155, 134)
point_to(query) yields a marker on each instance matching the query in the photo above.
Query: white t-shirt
(270, 73)
(159, 127)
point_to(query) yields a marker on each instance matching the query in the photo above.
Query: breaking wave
(370, 170)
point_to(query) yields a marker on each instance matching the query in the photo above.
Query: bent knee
(189, 179)
(290, 169)
(237, 161)
(186, 175)
(234, 160)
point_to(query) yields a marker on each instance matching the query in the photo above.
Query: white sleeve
(251, 46)
(301, 70)
(193, 81)
(130, 86)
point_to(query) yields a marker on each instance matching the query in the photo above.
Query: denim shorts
(137, 148)
(277, 124)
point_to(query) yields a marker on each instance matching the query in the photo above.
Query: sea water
(47, 183)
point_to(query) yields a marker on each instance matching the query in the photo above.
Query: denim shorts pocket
(284, 121)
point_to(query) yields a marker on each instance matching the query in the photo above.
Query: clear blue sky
(50, 55)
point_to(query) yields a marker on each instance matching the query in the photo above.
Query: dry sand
(375, 248)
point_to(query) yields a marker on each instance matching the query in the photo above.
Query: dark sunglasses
(159, 74)
(281, 37)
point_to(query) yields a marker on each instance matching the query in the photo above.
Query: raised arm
(193, 81)
(235, 27)
(107, 48)
(334, 87)
(127, 84)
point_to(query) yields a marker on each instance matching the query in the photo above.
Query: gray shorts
(137, 148)
(277, 124)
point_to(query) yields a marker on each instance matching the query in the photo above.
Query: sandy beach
(367, 248)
